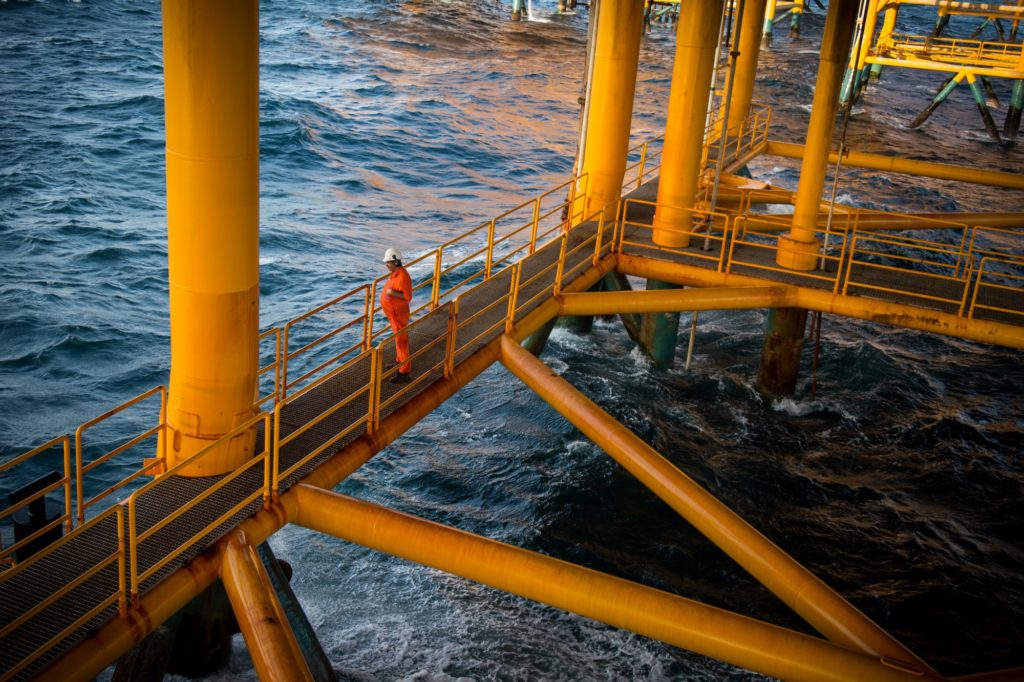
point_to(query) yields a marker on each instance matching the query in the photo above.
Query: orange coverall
(395, 299)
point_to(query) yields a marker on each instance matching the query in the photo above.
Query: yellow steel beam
(272, 645)
(696, 40)
(798, 249)
(895, 164)
(211, 85)
(91, 656)
(676, 300)
(799, 589)
(610, 91)
(948, 67)
(682, 622)
(872, 310)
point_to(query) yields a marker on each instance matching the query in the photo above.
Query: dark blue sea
(899, 482)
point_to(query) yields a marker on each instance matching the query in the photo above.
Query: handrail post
(435, 294)
(284, 360)
(556, 288)
(122, 587)
(371, 295)
(376, 371)
(536, 226)
(275, 483)
(133, 552)
(641, 167)
(453, 329)
(490, 249)
(600, 233)
(79, 510)
(269, 452)
(513, 297)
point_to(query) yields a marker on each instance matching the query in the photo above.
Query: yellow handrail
(7, 553)
(135, 538)
(158, 430)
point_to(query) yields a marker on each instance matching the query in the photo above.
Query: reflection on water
(408, 123)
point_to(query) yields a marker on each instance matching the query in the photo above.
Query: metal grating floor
(903, 285)
(485, 307)
(89, 546)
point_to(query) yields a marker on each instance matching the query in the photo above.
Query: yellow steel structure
(211, 85)
(828, 612)
(884, 312)
(896, 164)
(610, 100)
(682, 622)
(746, 63)
(275, 651)
(798, 249)
(696, 40)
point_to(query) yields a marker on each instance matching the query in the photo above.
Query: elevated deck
(62, 596)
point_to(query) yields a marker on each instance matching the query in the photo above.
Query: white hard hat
(392, 255)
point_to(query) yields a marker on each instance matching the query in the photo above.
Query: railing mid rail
(140, 546)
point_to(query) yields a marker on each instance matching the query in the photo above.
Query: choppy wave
(406, 123)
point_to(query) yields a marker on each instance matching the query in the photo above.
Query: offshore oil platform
(238, 448)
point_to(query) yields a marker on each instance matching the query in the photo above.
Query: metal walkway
(58, 598)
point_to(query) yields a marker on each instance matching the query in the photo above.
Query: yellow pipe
(888, 23)
(272, 645)
(926, 65)
(91, 656)
(610, 110)
(894, 164)
(682, 622)
(211, 86)
(746, 63)
(867, 39)
(798, 250)
(675, 300)
(872, 310)
(818, 604)
(696, 40)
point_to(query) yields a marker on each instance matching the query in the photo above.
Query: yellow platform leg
(746, 64)
(798, 250)
(211, 86)
(275, 651)
(610, 107)
(696, 40)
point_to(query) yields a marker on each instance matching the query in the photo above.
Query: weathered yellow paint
(835, 49)
(696, 40)
(610, 110)
(211, 85)
(272, 645)
(682, 622)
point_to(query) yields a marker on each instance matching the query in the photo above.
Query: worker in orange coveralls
(395, 300)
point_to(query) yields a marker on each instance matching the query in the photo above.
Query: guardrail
(140, 546)
(453, 273)
(38, 496)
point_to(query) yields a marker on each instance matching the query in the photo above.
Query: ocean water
(899, 482)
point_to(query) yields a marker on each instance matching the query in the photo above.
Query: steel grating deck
(485, 306)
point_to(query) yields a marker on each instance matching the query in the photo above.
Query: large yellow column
(746, 62)
(696, 40)
(610, 106)
(211, 87)
(798, 250)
